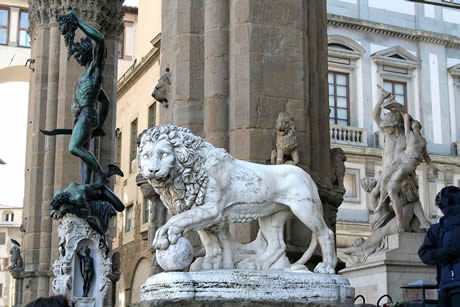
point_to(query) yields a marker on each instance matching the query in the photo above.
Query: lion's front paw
(207, 263)
(324, 268)
(161, 238)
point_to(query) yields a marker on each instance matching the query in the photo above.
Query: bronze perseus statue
(90, 52)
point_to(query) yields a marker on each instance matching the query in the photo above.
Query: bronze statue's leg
(86, 172)
(80, 136)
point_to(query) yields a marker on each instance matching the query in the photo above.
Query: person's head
(87, 251)
(52, 301)
(448, 200)
(392, 123)
(83, 51)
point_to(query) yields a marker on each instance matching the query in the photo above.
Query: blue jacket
(441, 246)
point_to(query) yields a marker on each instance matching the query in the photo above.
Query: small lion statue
(15, 256)
(286, 141)
(204, 188)
(161, 90)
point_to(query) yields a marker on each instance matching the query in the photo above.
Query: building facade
(10, 222)
(412, 50)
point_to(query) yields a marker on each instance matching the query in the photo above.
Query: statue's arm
(407, 124)
(98, 38)
(378, 110)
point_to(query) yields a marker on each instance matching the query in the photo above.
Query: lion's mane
(188, 185)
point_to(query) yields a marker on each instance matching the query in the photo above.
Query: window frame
(393, 82)
(146, 201)
(335, 73)
(152, 107)
(131, 224)
(22, 10)
(133, 144)
(8, 25)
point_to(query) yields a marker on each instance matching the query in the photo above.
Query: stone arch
(14, 73)
(343, 42)
(140, 275)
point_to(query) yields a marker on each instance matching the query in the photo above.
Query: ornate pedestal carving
(386, 271)
(74, 236)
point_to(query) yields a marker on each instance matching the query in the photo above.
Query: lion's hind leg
(272, 228)
(314, 220)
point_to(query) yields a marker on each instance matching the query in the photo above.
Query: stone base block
(386, 271)
(245, 287)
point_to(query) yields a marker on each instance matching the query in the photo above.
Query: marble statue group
(394, 196)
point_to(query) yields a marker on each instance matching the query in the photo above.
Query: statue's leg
(272, 228)
(226, 241)
(80, 136)
(295, 157)
(375, 195)
(394, 187)
(311, 217)
(213, 256)
(86, 172)
(418, 211)
(279, 156)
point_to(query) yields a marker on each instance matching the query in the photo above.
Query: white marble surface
(248, 285)
(176, 257)
(205, 189)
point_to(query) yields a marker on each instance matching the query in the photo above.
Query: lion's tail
(309, 252)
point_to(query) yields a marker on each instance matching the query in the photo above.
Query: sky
(13, 128)
(131, 3)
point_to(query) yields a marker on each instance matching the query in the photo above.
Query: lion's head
(284, 122)
(161, 90)
(171, 159)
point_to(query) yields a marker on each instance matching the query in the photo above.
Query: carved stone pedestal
(246, 288)
(386, 271)
(74, 236)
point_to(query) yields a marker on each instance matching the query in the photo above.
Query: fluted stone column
(49, 165)
(236, 64)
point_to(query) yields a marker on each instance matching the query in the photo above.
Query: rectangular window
(118, 148)
(152, 115)
(121, 45)
(2, 238)
(114, 227)
(4, 24)
(398, 89)
(133, 144)
(24, 39)
(129, 218)
(339, 98)
(1, 289)
(146, 210)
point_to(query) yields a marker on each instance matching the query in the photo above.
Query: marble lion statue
(205, 188)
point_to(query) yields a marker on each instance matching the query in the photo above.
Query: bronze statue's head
(83, 51)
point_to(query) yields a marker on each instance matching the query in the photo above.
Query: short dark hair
(52, 301)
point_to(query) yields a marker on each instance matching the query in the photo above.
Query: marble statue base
(240, 287)
(386, 271)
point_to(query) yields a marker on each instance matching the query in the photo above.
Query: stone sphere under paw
(176, 257)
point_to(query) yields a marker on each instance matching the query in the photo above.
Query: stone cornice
(136, 69)
(106, 15)
(455, 70)
(454, 161)
(399, 32)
